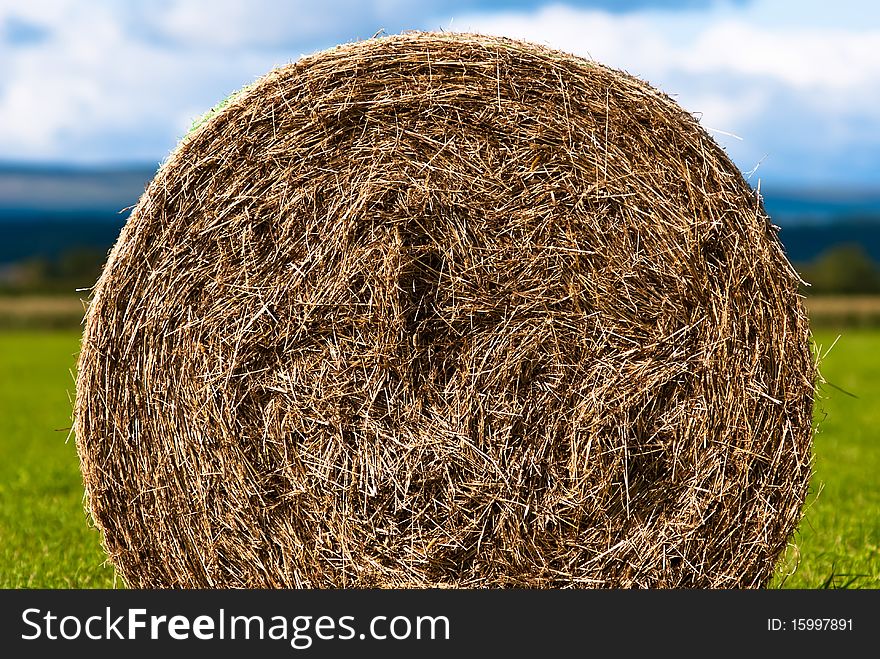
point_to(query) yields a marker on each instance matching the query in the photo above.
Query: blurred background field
(94, 95)
(838, 544)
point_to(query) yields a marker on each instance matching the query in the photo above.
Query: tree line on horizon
(844, 269)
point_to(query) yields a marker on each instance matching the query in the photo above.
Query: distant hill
(48, 236)
(36, 192)
(805, 242)
(790, 206)
(46, 211)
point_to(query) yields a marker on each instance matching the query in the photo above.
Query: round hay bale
(445, 310)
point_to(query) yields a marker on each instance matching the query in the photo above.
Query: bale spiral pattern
(445, 310)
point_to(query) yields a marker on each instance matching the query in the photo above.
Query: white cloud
(261, 24)
(777, 85)
(113, 80)
(658, 46)
(718, 112)
(97, 90)
(805, 58)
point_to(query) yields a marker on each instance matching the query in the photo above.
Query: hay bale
(446, 310)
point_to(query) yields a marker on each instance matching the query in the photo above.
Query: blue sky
(790, 89)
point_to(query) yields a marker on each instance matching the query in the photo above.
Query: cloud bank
(799, 96)
(112, 81)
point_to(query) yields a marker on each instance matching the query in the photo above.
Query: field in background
(838, 544)
(844, 310)
(45, 541)
(43, 311)
(66, 311)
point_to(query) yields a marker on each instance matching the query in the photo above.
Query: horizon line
(12, 166)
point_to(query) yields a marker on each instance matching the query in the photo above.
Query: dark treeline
(73, 269)
(845, 269)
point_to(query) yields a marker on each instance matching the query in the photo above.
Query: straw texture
(446, 310)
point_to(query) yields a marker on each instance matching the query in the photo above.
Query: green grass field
(46, 542)
(838, 544)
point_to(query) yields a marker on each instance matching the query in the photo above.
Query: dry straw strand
(446, 310)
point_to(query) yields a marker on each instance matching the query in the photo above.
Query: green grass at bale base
(45, 537)
(46, 540)
(838, 543)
